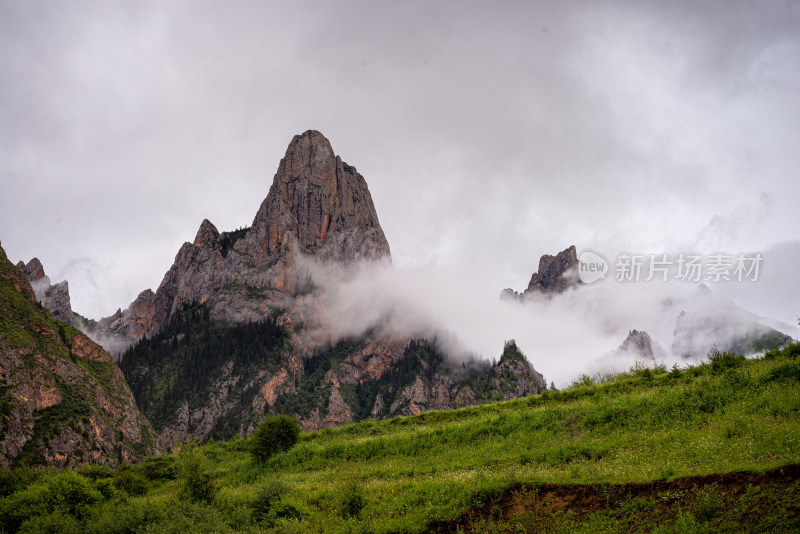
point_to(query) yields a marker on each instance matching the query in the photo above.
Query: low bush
(159, 467)
(131, 482)
(724, 360)
(270, 504)
(96, 471)
(274, 435)
(67, 493)
(267, 499)
(709, 502)
(17, 479)
(353, 500)
(197, 483)
(56, 522)
(786, 372)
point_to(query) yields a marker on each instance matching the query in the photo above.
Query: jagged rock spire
(34, 269)
(206, 234)
(556, 274)
(319, 204)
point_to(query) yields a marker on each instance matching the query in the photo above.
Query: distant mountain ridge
(318, 211)
(704, 322)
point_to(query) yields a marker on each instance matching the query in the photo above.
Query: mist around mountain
(639, 323)
(54, 297)
(249, 322)
(302, 312)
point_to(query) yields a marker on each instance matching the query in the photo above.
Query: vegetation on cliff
(186, 361)
(63, 400)
(199, 370)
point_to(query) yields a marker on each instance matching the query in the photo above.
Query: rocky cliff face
(63, 401)
(641, 347)
(236, 330)
(317, 206)
(556, 274)
(253, 370)
(514, 376)
(53, 297)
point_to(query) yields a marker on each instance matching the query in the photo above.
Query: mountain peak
(206, 233)
(639, 344)
(318, 204)
(54, 297)
(556, 274)
(34, 269)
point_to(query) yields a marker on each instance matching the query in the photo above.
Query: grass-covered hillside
(709, 448)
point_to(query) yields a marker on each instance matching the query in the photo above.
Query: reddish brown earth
(585, 499)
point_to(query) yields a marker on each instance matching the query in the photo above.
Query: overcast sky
(489, 133)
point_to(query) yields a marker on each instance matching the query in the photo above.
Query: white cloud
(485, 140)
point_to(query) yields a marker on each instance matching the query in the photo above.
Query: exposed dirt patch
(585, 499)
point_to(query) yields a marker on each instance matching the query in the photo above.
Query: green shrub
(159, 467)
(675, 372)
(106, 487)
(183, 517)
(270, 505)
(127, 517)
(72, 493)
(353, 500)
(786, 372)
(274, 435)
(56, 522)
(709, 502)
(17, 479)
(583, 381)
(96, 471)
(198, 485)
(267, 498)
(66, 492)
(130, 482)
(724, 360)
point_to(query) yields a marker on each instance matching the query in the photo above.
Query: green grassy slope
(456, 469)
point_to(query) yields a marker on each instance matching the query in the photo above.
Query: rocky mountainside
(641, 347)
(63, 400)
(556, 274)
(318, 206)
(53, 297)
(224, 379)
(236, 329)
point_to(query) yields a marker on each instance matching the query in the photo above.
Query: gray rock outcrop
(318, 206)
(641, 347)
(53, 297)
(63, 401)
(556, 274)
